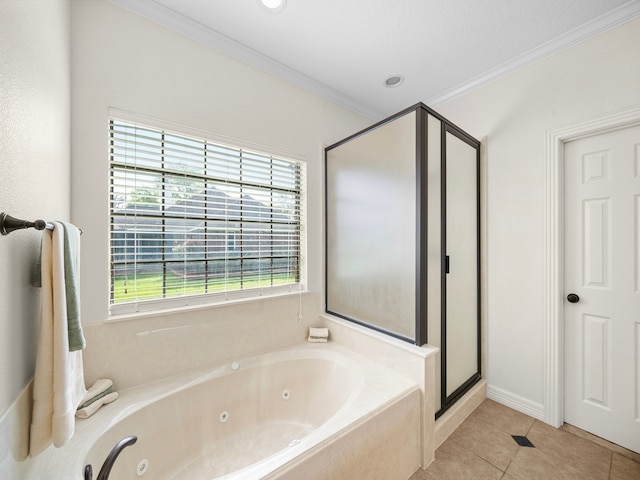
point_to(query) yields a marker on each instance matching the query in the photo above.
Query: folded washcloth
(99, 389)
(318, 335)
(86, 412)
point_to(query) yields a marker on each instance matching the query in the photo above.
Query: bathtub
(312, 411)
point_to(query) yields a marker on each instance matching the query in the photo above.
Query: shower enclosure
(402, 239)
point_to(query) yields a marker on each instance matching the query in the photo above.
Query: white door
(602, 268)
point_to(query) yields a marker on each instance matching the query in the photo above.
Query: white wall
(597, 76)
(34, 176)
(123, 61)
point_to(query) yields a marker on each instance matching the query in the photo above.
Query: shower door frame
(420, 335)
(446, 401)
(421, 318)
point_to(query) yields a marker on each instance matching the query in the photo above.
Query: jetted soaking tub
(313, 411)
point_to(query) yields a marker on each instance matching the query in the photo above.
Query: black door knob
(573, 298)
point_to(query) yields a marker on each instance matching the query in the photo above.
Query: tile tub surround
(149, 347)
(413, 362)
(137, 349)
(483, 447)
(389, 432)
(14, 434)
(386, 447)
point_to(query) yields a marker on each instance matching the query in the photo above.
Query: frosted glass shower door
(461, 278)
(371, 228)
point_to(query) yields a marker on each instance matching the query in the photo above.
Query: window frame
(226, 295)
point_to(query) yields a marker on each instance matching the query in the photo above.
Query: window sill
(123, 317)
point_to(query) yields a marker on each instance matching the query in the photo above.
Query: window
(193, 221)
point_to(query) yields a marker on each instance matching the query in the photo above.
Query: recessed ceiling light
(273, 6)
(393, 81)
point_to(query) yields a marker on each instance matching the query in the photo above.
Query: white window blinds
(191, 218)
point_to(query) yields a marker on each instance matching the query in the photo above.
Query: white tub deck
(343, 411)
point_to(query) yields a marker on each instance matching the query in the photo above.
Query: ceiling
(344, 50)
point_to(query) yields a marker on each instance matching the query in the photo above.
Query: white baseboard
(521, 404)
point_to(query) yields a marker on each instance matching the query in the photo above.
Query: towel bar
(9, 224)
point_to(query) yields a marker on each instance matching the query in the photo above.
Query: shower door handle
(446, 264)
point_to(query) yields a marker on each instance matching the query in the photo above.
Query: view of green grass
(149, 286)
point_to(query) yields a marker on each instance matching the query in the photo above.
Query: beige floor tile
(456, 463)
(489, 443)
(578, 455)
(419, 475)
(482, 447)
(623, 468)
(503, 418)
(601, 441)
(533, 464)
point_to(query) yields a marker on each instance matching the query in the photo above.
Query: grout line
(493, 427)
(611, 465)
(511, 460)
(530, 428)
(462, 447)
(613, 447)
(574, 432)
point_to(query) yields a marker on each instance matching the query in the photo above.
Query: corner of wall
(521, 404)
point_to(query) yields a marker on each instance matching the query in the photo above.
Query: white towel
(318, 335)
(101, 388)
(58, 384)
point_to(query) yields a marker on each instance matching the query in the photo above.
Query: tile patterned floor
(483, 447)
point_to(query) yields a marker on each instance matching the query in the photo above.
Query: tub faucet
(110, 460)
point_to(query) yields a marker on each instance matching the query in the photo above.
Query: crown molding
(168, 18)
(162, 15)
(599, 25)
